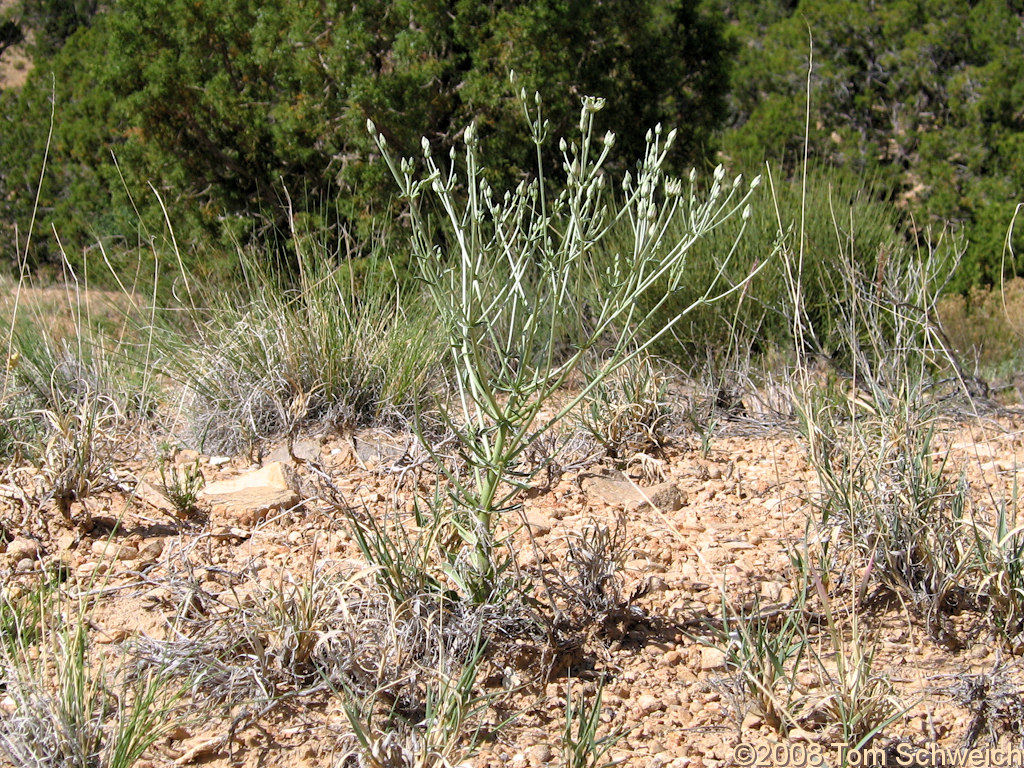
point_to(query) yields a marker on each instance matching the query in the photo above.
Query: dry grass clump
(68, 706)
(987, 327)
(629, 412)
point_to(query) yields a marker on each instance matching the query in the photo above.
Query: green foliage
(926, 95)
(240, 111)
(54, 21)
(278, 356)
(846, 221)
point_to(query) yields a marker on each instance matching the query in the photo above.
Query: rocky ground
(704, 524)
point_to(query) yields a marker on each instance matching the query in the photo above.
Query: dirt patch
(15, 63)
(739, 519)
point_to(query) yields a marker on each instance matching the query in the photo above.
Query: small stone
(26, 564)
(91, 568)
(219, 461)
(541, 754)
(667, 497)
(711, 659)
(656, 584)
(155, 498)
(22, 547)
(772, 590)
(113, 551)
(752, 721)
(648, 704)
(151, 550)
(186, 456)
(798, 735)
(671, 658)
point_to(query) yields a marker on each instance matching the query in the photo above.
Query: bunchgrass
(306, 349)
(72, 708)
(999, 553)
(180, 485)
(763, 650)
(581, 746)
(629, 412)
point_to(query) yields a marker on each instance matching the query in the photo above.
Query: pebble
(671, 658)
(91, 568)
(113, 551)
(22, 547)
(752, 721)
(648, 704)
(541, 754)
(711, 659)
(151, 551)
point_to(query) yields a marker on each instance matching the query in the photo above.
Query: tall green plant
(506, 295)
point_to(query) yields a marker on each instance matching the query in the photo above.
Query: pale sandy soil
(15, 64)
(744, 517)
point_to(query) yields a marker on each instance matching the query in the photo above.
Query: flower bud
(371, 128)
(719, 172)
(562, 146)
(609, 139)
(746, 212)
(755, 183)
(425, 145)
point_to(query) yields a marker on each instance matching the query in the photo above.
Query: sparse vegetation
(479, 595)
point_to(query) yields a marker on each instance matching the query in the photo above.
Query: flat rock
(151, 550)
(304, 450)
(110, 550)
(275, 475)
(616, 489)
(22, 547)
(155, 498)
(249, 506)
(711, 659)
